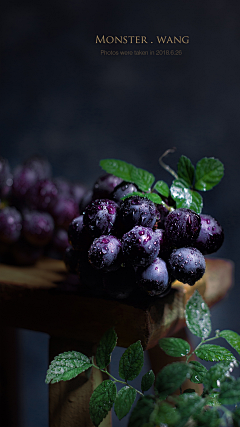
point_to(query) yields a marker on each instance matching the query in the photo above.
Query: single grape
(136, 210)
(24, 178)
(105, 253)
(40, 165)
(154, 278)
(122, 190)
(63, 209)
(79, 235)
(187, 265)
(100, 216)
(104, 186)
(10, 225)
(211, 235)
(140, 246)
(43, 194)
(38, 228)
(182, 227)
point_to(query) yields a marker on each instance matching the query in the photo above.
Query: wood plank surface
(45, 298)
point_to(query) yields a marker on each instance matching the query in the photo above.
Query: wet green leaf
(175, 347)
(142, 411)
(188, 404)
(208, 418)
(186, 170)
(198, 372)
(124, 401)
(236, 417)
(102, 401)
(186, 198)
(66, 366)
(214, 353)
(162, 188)
(217, 374)
(142, 178)
(171, 377)
(164, 414)
(230, 392)
(131, 362)
(147, 380)
(105, 347)
(197, 316)
(209, 172)
(232, 338)
(118, 168)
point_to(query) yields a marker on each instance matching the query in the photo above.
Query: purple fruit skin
(42, 194)
(165, 246)
(64, 209)
(136, 210)
(105, 253)
(71, 259)
(100, 216)
(211, 235)
(122, 190)
(182, 227)
(24, 178)
(104, 186)
(140, 246)
(38, 228)
(40, 165)
(79, 235)
(154, 278)
(10, 225)
(187, 265)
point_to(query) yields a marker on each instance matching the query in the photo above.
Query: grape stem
(166, 167)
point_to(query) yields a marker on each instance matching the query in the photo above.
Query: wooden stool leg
(69, 400)
(159, 359)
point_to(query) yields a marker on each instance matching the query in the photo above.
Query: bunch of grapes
(35, 211)
(132, 236)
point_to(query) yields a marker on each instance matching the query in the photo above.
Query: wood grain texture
(45, 298)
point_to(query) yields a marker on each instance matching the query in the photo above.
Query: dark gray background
(62, 99)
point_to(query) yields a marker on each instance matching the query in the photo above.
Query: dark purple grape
(77, 192)
(137, 210)
(24, 254)
(87, 198)
(6, 179)
(165, 246)
(10, 225)
(105, 253)
(104, 186)
(79, 235)
(60, 240)
(211, 235)
(182, 227)
(122, 190)
(24, 178)
(63, 186)
(120, 284)
(40, 165)
(140, 246)
(154, 278)
(42, 194)
(163, 212)
(187, 265)
(38, 228)
(64, 209)
(100, 216)
(71, 259)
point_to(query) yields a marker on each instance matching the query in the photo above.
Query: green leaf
(155, 198)
(197, 316)
(142, 178)
(188, 404)
(124, 401)
(209, 172)
(147, 380)
(66, 366)
(236, 417)
(212, 399)
(131, 362)
(186, 170)
(214, 353)
(208, 418)
(142, 411)
(217, 374)
(171, 377)
(164, 413)
(175, 347)
(162, 188)
(232, 338)
(230, 393)
(186, 198)
(102, 401)
(134, 193)
(198, 372)
(107, 344)
(117, 168)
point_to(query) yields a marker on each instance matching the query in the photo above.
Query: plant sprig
(184, 189)
(207, 410)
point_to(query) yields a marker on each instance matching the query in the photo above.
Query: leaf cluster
(184, 188)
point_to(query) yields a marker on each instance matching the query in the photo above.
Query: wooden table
(45, 298)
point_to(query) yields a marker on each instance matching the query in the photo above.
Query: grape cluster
(123, 243)
(35, 211)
